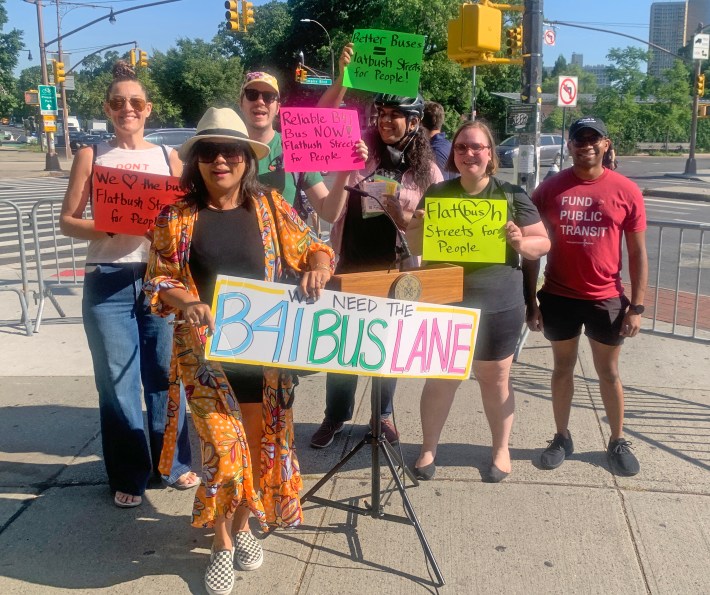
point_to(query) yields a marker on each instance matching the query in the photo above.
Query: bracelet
(321, 265)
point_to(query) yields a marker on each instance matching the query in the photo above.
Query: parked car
(549, 150)
(172, 137)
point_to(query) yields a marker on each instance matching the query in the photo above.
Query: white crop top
(121, 247)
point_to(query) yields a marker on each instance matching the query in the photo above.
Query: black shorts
(498, 334)
(563, 317)
(246, 381)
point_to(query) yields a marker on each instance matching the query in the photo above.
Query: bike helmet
(409, 106)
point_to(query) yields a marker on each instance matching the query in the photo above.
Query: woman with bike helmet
(399, 150)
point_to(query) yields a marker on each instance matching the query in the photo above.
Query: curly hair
(418, 153)
(121, 72)
(193, 185)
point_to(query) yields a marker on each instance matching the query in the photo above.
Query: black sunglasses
(268, 96)
(207, 152)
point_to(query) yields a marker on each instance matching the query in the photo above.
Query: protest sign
(465, 230)
(385, 62)
(315, 139)
(270, 324)
(129, 201)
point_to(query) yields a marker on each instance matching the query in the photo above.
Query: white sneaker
(219, 577)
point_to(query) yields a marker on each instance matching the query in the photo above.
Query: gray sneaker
(559, 448)
(248, 554)
(219, 577)
(621, 460)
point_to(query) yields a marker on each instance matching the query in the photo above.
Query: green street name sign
(312, 80)
(47, 99)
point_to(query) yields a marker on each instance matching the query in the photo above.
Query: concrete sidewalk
(577, 529)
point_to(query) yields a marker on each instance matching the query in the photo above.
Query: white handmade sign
(270, 324)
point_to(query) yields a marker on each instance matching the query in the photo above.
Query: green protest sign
(465, 230)
(385, 62)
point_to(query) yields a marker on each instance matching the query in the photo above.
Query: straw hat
(222, 124)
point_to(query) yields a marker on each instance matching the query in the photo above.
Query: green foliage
(10, 45)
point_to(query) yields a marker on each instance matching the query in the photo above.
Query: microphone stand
(379, 445)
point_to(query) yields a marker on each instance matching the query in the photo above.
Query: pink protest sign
(318, 139)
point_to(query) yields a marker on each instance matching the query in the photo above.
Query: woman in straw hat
(226, 224)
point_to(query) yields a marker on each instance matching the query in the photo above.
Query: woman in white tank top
(130, 347)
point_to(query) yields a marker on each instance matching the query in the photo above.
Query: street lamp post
(52, 159)
(330, 45)
(63, 91)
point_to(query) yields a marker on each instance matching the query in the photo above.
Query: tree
(29, 79)
(10, 46)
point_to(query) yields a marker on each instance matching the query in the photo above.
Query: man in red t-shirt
(587, 209)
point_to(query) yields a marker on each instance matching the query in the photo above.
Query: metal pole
(532, 81)
(63, 90)
(52, 159)
(562, 142)
(690, 165)
(330, 45)
(473, 94)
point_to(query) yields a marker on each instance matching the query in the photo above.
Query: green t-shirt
(272, 174)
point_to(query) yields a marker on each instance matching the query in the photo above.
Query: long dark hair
(122, 72)
(492, 166)
(418, 154)
(194, 187)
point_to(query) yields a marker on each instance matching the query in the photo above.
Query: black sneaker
(324, 435)
(559, 448)
(621, 460)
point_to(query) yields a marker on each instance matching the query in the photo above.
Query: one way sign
(701, 46)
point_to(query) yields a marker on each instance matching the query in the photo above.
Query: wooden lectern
(438, 284)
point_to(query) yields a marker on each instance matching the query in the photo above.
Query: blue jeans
(130, 349)
(340, 396)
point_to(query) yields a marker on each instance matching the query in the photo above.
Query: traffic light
(232, 15)
(132, 57)
(480, 28)
(59, 74)
(247, 14)
(514, 40)
(700, 85)
(143, 59)
(702, 111)
(298, 74)
(304, 75)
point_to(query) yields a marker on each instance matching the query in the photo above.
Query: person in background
(130, 348)
(398, 150)
(609, 161)
(496, 289)
(432, 121)
(587, 210)
(228, 224)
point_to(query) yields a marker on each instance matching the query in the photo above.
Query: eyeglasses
(464, 148)
(207, 152)
(592, 139)
(268, 96)
(117, 103)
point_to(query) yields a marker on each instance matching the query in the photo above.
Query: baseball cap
(587, 122)
(261, 77)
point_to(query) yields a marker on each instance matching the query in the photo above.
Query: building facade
(668, 30)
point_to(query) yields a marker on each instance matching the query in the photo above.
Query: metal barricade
(678, 297)
(23, 292)
(59, 259)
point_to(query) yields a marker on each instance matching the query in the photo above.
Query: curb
(657, 193)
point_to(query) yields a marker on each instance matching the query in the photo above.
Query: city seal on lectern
(407, 287)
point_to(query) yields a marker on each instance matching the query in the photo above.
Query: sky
(158, 27)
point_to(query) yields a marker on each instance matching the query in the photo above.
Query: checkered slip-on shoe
(248, 554)
(219, 578)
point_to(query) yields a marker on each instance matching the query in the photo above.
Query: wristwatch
(637, 308)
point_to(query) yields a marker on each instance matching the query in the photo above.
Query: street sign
(521, 118)
(69, 83)
(47, 99)
(701, 46)
(549, 37)
(50, 123)
(313, 80)
(567, 91)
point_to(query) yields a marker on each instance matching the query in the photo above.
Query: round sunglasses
(117, 103)
(464, 148)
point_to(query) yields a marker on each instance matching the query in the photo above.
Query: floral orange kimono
(227, 479)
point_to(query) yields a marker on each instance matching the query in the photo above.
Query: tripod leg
(335, 469)
(413, 517)
(400, 463)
